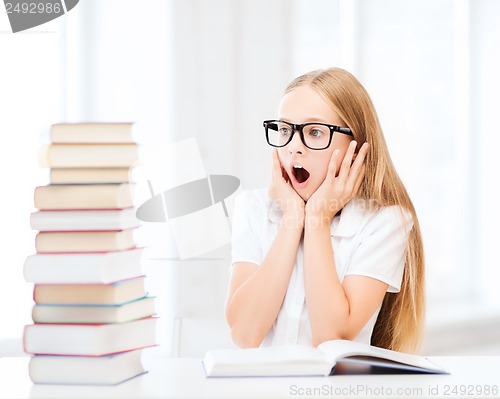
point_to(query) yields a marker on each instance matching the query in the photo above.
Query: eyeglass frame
(300, 126)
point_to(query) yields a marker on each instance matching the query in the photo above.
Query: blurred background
(213, 70)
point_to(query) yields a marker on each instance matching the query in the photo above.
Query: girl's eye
(285, 131)
(316, 133)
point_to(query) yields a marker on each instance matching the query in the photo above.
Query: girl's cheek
(281, 155)
(324, 168)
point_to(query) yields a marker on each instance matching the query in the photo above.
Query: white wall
(231, 61)
(30, 100)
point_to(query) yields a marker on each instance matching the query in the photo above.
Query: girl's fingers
(347, 162)
(360, 158)
(357, 170)
(359, 180)
(332, 166)
(358, 162)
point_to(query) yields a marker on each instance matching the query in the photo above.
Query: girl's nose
(296, 145)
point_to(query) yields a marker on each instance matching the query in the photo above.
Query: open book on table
(297, 360)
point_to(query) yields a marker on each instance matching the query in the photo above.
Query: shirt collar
(349, 221)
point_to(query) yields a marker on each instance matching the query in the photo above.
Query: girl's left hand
(336, 191)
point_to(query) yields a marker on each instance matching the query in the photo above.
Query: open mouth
(300, 174)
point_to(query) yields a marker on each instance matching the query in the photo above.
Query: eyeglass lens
(315, 136)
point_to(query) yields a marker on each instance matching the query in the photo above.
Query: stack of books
(92, 316)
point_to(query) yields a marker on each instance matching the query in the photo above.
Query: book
(298, 360)
(90, 294)
(85, 370)
(83, 268)
(89, 339)
(94, 314)
(90, 175)
(84, 241)
(96, 132)
(84, 196)
(88, 155)
(83, 220)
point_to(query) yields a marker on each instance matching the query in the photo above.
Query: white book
(86, 370)
(84, 241)
(88, 155)
(94, 314)
(297, 360)
(83, 268)
(84, 220)
(92, 132)
(84, 196)
(89, 339)
(90, 175)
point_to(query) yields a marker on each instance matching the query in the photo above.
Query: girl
(332, 250)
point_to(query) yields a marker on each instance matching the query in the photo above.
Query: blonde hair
(399, 324)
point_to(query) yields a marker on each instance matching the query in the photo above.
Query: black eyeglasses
(314, 135)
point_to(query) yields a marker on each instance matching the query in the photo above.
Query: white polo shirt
(366, 243)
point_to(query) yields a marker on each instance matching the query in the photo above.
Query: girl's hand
(336, 191)
(282, 192)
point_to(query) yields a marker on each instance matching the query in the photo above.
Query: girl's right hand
(282, 192)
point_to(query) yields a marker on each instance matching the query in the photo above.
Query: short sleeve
(245, 245)
(381, 252)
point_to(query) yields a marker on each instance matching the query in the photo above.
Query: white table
(185, 378)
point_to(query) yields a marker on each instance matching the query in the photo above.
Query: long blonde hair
(399, 324)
